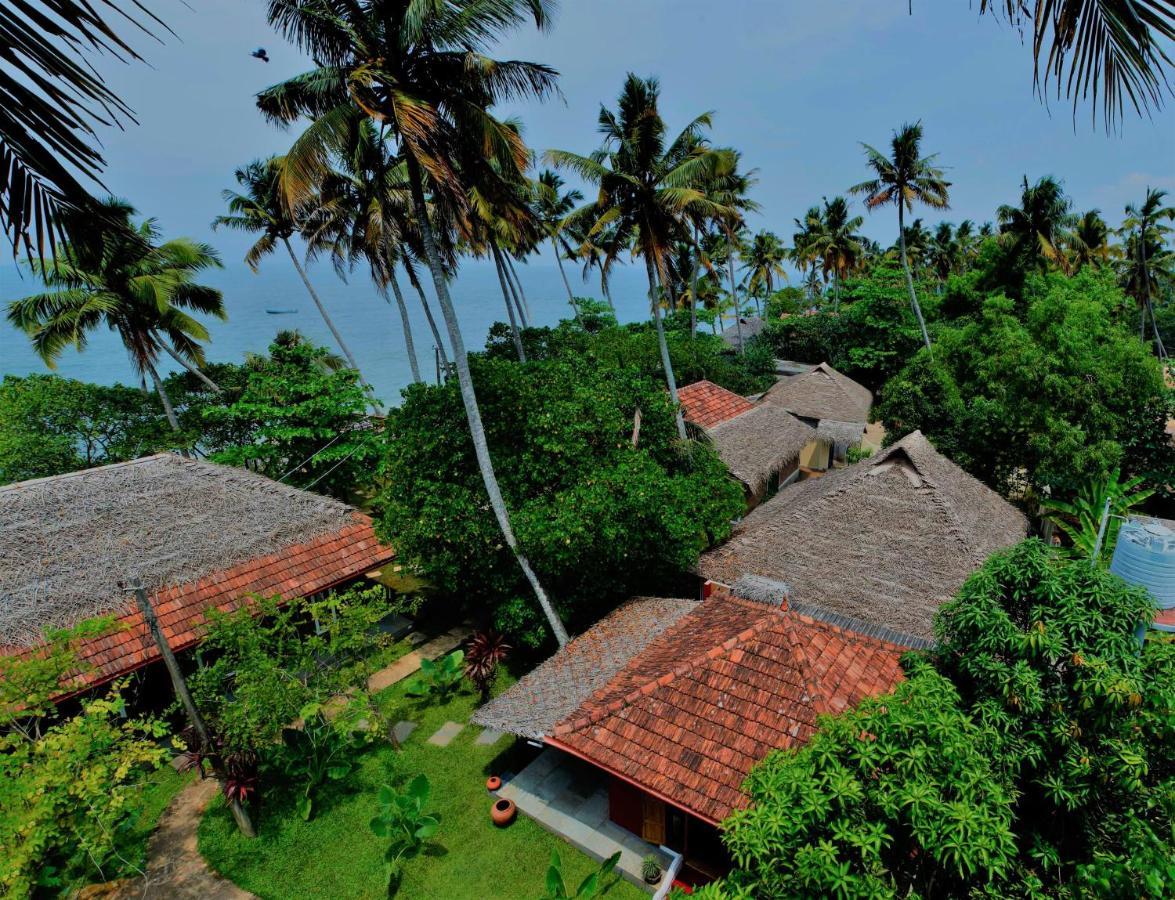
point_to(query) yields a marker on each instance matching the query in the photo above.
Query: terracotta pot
(493, 783)
(502, 812)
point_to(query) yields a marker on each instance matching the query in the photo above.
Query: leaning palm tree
(421, 71)
(551, 205)
(903, 179)
(259, 208)
(126, 280)
(1036, 227)
(1147, 239)
(647, 188)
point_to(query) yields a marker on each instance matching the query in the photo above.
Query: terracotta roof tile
(706, 404)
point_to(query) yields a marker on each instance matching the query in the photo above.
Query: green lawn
(335, 855)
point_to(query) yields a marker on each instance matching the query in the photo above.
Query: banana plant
(438, 679)
(1080, 520)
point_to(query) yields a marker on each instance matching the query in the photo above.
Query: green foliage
(1081, 519)
(594, 315)
(403, 819)
(300, 415)
(650, 868)
(1043, 650)
(69, 786)
(318, 751)
(438, 679)
(1050, 392)
(557, 888)
(856, 454)
(263, 664)
(598, 519)
(50, 425)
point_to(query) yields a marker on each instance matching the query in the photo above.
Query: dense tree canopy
(600, 518)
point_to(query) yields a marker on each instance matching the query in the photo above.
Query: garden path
(175, 868)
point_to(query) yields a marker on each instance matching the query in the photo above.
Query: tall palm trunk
(409, 344)
(738, 318)
(835, 290)
(666, 363)
(1148, 307)
(909, 277)
(509, 305)
(375, 405)
(469, 399)
(516, 292)
(164, 399)
(170, 351)
(566, 283)
(696, 271)
(440, 344)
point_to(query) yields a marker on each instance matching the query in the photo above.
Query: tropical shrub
(487, 650)
(438, 679)
(317, 752)
(557, 888)
(598, 518)
(1081, 519)
(404, 820)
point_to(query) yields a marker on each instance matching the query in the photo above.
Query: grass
(335, 855)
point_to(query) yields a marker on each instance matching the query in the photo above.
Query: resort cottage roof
(706, 404)
(712, 689)
(759, 443)
(822, 393)
(196, 535)
(751, 326)
(887, 540)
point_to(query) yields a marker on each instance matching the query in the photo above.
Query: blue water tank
(1145, 556)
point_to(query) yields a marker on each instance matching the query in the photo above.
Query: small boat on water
(281, 312)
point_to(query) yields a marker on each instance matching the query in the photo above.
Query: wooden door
(652, 820)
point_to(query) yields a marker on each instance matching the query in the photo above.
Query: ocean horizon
(370, 326)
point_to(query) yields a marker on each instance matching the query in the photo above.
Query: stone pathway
(401, 730)
(175, 868)
(445, 734)
(488, 736)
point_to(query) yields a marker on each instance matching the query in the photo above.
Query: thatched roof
(552, 691)
(887, 540)
(758, 443)
(822, 393)
(751, 327)
(843, 434)
(70, 545)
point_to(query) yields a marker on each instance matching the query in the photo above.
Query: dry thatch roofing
(70, 545)
(887, 540)
(822, 393)
(758, 443)
(751, 327)
(552, 691)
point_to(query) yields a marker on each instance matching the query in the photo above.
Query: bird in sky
(260, 54)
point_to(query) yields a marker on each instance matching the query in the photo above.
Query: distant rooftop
(822, 393)
(706, 404)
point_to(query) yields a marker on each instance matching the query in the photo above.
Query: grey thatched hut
(887, 540)
(761, 448)
(836, 405)
(747, 327)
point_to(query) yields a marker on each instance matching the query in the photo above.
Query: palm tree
(259, 208)
(903, 179)
(1088, 243)
(804, 241)
(551, 206)
(764, 259)
(1036, 228)
(421, 71)
(943, 253)
(1148, 237)
(124, 279)
(837, 244)
(647, 188)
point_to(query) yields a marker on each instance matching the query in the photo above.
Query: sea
(369, 325)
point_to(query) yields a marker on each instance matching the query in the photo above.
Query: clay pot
(502, 812)
(493, 783)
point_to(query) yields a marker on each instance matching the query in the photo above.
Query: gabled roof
(751, 326)
(822, 393)
(887, 540)
(706, 404)
(759, 443)
(730, 680)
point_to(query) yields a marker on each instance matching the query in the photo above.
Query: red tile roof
(300, 570)
(690, 715)
(706, 404)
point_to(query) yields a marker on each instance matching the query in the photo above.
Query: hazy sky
(794, 84)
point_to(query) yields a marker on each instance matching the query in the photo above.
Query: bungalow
(760, 444)
(197, 536)
(745, 328)
(671, 702)
(887, 540)
(834, 404)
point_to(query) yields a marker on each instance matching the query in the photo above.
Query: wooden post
(180, 686)
(636, 427)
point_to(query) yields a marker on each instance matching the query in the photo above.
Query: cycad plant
(123, 278)
(904, 178)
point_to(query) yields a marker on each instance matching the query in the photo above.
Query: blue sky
(794, 85)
